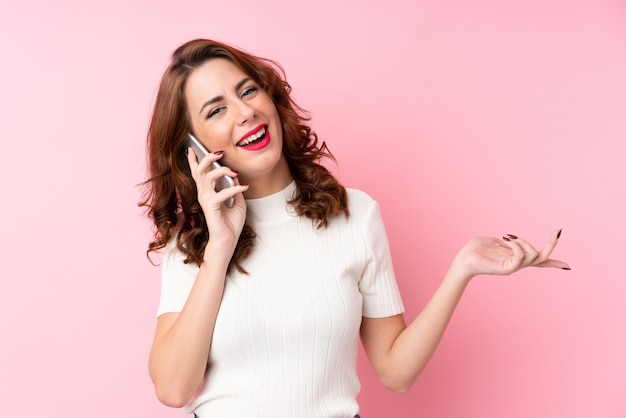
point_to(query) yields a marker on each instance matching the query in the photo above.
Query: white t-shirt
(286, 337)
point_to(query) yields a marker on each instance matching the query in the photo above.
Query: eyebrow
(218, 98)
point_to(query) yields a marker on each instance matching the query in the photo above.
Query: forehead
(216, 73)
(215, 77)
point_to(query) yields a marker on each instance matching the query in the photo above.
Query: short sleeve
(381, 296)
(177, 279)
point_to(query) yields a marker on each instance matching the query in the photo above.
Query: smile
(256, 140)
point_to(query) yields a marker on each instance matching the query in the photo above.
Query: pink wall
(490, 118)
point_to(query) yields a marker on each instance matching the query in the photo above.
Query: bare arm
(182, 341)
(398, 353)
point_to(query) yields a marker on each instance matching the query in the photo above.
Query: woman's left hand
(487, 255)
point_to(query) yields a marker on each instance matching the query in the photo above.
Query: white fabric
(286, 337)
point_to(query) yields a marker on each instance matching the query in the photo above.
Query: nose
(245, 112)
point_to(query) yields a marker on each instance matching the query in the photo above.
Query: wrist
(459, 271)
(218, 253)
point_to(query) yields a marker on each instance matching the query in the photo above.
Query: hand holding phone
(222, 182)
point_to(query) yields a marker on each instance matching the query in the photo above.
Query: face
(229, 112)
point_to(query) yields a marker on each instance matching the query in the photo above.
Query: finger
(544, 254)
(236, 192)
(207, 171)
(220, 192)
(550, 263)
(530, 253)
(215, 172)
(518, 254)
(238, 189)
(205, 165)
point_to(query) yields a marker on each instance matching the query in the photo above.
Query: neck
(273, 182)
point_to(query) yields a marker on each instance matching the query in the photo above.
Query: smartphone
(222, 182)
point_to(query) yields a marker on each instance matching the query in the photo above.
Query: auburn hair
(170, 196)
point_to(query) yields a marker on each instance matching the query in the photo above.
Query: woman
(263, 302)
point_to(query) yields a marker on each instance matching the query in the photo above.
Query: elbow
(398, 384)
(400, 388)
(171, 389)
(172, 394)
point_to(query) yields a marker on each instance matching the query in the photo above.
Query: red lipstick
(259, 142)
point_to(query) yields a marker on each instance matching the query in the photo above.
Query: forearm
(180, 351)
(416, 344)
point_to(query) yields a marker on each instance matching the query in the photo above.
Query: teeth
(252, 137)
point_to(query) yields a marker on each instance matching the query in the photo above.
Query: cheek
(217, 137)
(279, 136)
(277, 122)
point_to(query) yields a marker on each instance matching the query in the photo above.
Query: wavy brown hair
(170, 196)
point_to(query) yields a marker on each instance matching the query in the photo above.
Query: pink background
(461, 118)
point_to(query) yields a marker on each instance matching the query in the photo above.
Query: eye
(248, 91)
(214, 112)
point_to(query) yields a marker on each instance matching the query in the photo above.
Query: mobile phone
(201, 152)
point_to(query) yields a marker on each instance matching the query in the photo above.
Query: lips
(256, 139)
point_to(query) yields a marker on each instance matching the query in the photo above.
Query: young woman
(263, 302)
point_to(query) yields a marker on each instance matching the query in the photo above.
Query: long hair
(170, 194)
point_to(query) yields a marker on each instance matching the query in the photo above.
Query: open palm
(488, 255)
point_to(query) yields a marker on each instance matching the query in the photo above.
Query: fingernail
(559, 234)
(506, 239)
(234, 171)
(218, 152)
(511, 236)
(245, 184)
(565, 268)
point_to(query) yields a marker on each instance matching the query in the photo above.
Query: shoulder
(362, 206)
(358, 199)
(173, 256)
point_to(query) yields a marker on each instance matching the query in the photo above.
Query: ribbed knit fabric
(286, 337)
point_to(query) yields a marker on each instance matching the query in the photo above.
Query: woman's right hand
(225, 224)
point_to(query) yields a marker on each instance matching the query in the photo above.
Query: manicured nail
(245, 184)
(506, 239)
(559, 234)
(511, 236)
(235, 171)
(218, 152)
(565, 268)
